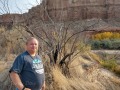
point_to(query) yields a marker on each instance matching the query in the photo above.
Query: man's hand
(27, 89)
(43, 87)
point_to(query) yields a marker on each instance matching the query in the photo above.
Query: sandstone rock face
(68, 10)
(83, 9)
(80, 9)
(8, 20)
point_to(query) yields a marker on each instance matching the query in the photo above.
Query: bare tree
(58, 39)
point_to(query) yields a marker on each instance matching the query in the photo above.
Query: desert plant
(95, 44)
(105, 44)
(109, 64)
(106, 35)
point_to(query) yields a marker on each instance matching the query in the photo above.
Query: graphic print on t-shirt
(38, 66)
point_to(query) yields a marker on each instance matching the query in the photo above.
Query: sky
(17, 6)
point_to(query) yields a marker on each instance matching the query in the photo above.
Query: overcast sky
(17, 6)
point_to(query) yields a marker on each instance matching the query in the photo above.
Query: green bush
(115, 44)
(105, 44)
(109, 64)
(95, 44)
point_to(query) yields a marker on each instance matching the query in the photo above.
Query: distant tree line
(106, 40)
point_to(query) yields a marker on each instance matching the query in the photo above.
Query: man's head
(32, 45)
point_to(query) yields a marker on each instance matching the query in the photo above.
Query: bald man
(27, 72)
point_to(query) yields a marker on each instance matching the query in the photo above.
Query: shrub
(95, 44)
(106, 35)
(106, 40)
(115, 43)
(105, 44)
(109, 64)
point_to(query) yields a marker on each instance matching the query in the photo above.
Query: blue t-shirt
(30, 70)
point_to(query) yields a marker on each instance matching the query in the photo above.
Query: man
(27, 72)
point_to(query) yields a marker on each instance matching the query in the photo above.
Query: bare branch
(18, 7)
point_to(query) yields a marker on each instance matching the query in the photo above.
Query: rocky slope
(85, 74)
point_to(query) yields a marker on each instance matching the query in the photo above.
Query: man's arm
(17, 82)
(43, 87)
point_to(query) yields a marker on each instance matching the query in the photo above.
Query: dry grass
(2, 29)
(84, 79)
(3, 65)
(12, 41)
(75, 67)
(81, 84)
(60, 81)
(115, 80)
(95, 57)
(78, 80)
(84, 75)
(117, 70)
(6, 62)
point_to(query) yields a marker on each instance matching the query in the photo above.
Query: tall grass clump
(109, 64)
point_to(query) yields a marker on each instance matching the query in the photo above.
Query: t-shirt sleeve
(17, 65)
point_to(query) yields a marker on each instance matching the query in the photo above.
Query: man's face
(32, 46)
